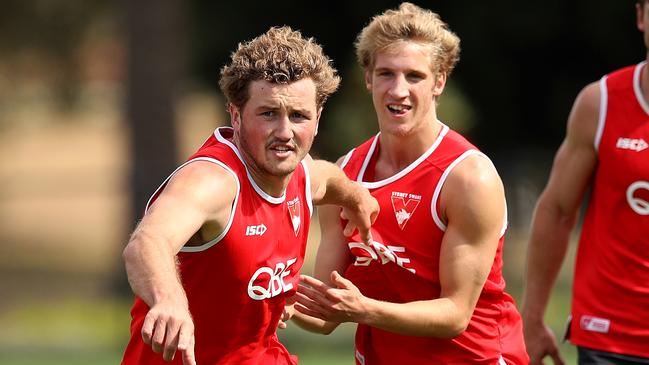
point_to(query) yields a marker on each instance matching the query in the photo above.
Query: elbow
(454, 328)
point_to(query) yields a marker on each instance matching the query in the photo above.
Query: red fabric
(231, 326)
(406, 267)
(610, 309)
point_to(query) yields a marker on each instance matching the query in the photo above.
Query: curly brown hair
(409, 23)
(281, 55)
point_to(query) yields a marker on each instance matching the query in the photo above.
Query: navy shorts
(596, 357)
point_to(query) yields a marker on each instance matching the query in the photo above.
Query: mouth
(398, 109)
(281, 150)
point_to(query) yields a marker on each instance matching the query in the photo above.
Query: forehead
(407, 54)
(298, 94)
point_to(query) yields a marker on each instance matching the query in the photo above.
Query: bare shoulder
(204, 181)
(473, 192)
(475, 173)
(584, 116)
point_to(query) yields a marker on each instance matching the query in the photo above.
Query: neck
(398, 151)
(270, 184)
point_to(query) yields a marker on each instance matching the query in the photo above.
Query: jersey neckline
(264, 195)
(405, 171)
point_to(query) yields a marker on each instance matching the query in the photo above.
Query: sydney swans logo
(294, 214)
(404, 206)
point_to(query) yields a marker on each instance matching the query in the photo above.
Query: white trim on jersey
(603, 106)
(402, 173)
(346, 159)
(211, 243)
(442, 180)
(269, 198)
(501, 361)
(366, 162)
(307, 188)
(636, 86)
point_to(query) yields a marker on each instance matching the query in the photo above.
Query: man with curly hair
(429, 288)
(223, 239)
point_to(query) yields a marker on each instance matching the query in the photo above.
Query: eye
(297, 116)
(267, 114)
(415, 76)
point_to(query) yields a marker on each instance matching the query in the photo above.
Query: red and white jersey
(237, 283)
(610, 308)
(403, 264)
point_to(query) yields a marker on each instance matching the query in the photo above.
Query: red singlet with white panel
(610, 308)
(237, 283)
(403, 264)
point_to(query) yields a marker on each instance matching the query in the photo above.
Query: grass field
(76, 332)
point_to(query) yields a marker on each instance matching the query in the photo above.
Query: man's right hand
(167, 328)
(541, 342)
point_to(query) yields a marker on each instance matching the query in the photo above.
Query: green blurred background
(100, 100)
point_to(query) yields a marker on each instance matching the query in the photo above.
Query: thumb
(340, 281)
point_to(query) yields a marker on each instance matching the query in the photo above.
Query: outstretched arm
(473, 204)
(199, 193)
(554, 218)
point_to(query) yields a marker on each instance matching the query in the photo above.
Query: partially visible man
(429, 288)
(605, 150)
(223, 239)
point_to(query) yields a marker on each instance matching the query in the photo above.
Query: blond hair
(409, 23)
(281, 56)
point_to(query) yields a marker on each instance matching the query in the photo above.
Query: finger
(556, 358)
(185, 336)
(282, 325)
(304, 310)
(147, 328)
(158, 335)
(349, 229)
(340, 281)
(320, 305)
(188, 354)
(314, 295)
(171, 342)
(313, 282)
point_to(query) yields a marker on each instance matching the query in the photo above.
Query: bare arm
(329, 185)
(200, 193)
(332, 255)
(554, 218)
(468, 248)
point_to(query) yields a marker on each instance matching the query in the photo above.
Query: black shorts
(595, 357)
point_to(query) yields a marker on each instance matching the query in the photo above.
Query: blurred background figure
(81, 81)
(605, 152)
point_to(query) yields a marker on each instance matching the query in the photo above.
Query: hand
(541, 342)
(289, 310)
(361, 216)
(343, 303)
(173, 324)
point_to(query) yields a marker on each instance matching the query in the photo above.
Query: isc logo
(256, 230)
(267, 283)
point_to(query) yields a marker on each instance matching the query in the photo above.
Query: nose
(399, 87)
(284, 129)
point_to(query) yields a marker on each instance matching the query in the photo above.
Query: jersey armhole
(433, 205)
(218, 238)
(307, 188)
(601, 120)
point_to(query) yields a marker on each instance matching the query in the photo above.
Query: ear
(235, 116)
(440, 83)
(317, 120)
(368, 80)
(639, 16)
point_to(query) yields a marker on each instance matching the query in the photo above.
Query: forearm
(335, 188)
(440, 318)
(549, 239)
(151, 269)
